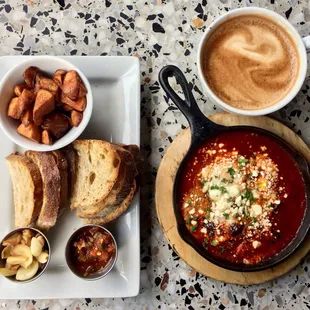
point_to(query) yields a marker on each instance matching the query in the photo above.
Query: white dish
(47, 64)
(115, 83)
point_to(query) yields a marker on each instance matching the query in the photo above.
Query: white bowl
(48, 65)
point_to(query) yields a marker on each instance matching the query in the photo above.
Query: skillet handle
(199, 124)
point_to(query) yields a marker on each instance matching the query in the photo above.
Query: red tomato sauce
(91, 250)
(285, 219)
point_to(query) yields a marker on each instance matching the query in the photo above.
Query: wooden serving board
(164, 203)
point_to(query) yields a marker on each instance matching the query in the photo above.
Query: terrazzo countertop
(159, 33)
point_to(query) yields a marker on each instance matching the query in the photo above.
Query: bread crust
(36, 187)
(120, 190)
(51, 188)
(70, 155)
(113, 212)
(62, 165)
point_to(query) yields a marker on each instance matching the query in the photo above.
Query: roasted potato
(14, 109)
(27, 117)
(58, 77)
(44, 104)
(18, 89)
(46, 138)
(26, 100)
(76, 118)
(30, 76)
(66, 107)
(83, 90)
(32, 131)
(39, 76)
(71, 85)
(49, 84)
(57, 124)
(78, 105)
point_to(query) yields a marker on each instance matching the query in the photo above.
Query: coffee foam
(250, 62)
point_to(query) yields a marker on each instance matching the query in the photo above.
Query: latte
(250, 62)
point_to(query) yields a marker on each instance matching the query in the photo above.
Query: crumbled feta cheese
(233, 190)
(186, 204)
(221, 145)
(256, 210)
(203, 230)
(192, 211)
(255, 173)
(256, 244)
(238, 201)
(215, 194)
(193, 222)
(200, 211)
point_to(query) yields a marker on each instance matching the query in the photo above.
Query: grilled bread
(51, 187)
(70, 155)
(27, 189)
(97, 169)
(120, 190)
(63, 171)
(112, 212)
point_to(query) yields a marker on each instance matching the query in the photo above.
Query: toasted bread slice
(113, 212)
(63, 170)
(120, 190)
(51, 188)
(97, 168)
(27, 189)
(135, 151)
(70, 155)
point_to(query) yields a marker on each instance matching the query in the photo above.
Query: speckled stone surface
(159, 33)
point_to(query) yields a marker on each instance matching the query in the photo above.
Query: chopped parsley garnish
(255, 219)
(222, 249)
(188, 220)
(207, 209)
(242, 160)
(220, 188)
(226, 215)
(236, 215)
(203, 182)
(247, 194)
(244, 213)
(216, 176)
(231, 171)
(214, 242)
(195, 217)
(189, 202)
(205, 243)
(207, 217)
(224, 180)
(193, 228)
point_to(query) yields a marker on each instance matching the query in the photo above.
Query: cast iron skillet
(203, 129)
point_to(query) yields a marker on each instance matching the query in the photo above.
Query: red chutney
(242, 196)
(91, 250)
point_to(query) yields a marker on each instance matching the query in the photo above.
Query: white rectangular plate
(115, 83)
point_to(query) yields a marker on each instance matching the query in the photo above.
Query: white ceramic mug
(302, 44)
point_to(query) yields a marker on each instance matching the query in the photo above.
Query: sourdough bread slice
(70, 155)
(113, 212)
(27, 189)
(97, 169)
(51, 188)
(135, 152)
(120, 190)
(62, 165)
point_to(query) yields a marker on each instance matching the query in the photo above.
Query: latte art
(250, 62)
